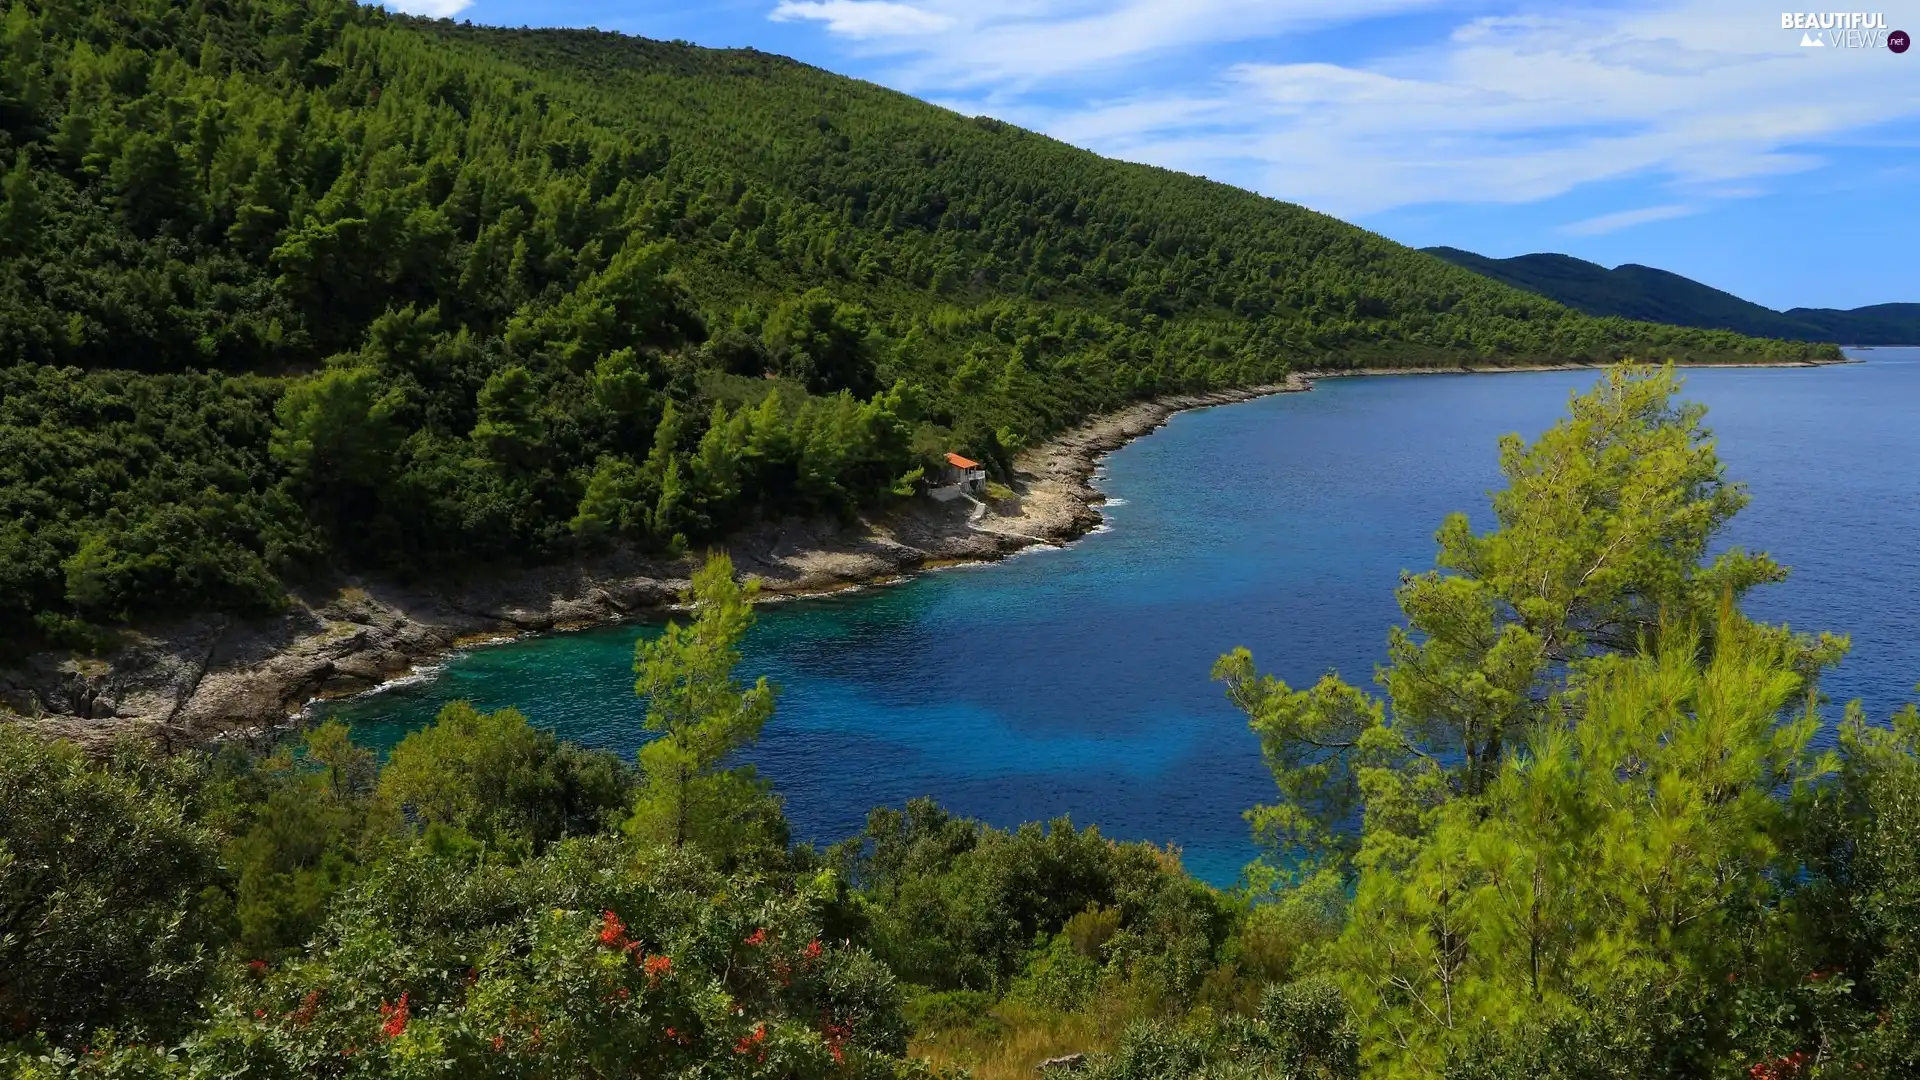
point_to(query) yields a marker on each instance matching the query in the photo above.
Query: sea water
(1074, 682)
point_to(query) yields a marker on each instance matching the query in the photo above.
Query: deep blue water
(1075, 681)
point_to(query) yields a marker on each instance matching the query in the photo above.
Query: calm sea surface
(1075, 681)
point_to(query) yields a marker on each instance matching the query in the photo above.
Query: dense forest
(1584, 834)
(291, 286)
(1632, 291)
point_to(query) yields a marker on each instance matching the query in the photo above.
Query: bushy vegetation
(491, 902)
(288, 285)
(1584, 834)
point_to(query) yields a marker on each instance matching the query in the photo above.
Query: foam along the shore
(197, 679)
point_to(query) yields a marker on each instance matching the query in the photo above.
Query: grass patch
(1008, 1041)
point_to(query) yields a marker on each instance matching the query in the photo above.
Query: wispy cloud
(997, 46)
(864, 18)
(433, 9)
(1627, 219)
(1698, 98)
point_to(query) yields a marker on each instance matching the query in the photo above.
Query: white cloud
(864, 18)
(1700, 98)
(1626, 219)
(433, 9)
(997, 45)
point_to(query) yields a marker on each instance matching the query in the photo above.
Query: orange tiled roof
(959, 462)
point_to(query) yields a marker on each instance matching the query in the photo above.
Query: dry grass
(1019, 1039)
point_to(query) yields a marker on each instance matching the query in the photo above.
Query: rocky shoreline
(191, 681)
(195, 680)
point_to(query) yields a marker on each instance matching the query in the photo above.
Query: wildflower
(303, 1015)
(259, 1014)
(837, 1035)
(396, 1016)
(657, 968)
(257, 968)
(758, 937)
(499, 1043)
(613, 932)
(755, 1043)
(813, 949)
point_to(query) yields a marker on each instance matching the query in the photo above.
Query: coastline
(1345, 373)
(197, 680)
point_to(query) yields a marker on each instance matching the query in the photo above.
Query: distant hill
(1633, 291)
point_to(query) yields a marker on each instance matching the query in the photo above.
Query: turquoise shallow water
(1075, 681)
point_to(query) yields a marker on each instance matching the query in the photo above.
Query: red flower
(256, 968)
(397, 1016)
(758, 937)
(613, 932)
(499, 1043)
(813, 949)
(837, 1035)
(754, 1043)
(303, 1015)
(657, 968)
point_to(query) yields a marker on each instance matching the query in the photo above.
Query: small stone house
(960, 476)
(966, 473)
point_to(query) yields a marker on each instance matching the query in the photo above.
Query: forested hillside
(1632, 291)
(287, 285)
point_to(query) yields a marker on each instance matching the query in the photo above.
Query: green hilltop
(296, 284)
(1632, 291)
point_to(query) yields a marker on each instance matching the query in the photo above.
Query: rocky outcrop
(190, 681)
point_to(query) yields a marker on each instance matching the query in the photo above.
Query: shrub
(112, 913)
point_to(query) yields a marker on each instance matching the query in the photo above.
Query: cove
(1075, 681)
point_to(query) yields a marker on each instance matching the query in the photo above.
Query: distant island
(1646, 294)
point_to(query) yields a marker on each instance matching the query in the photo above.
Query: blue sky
(1698, 136)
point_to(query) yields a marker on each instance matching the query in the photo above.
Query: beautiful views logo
(1845, 30)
